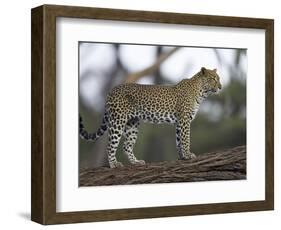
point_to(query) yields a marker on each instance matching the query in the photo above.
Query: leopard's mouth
(216, 89)
(211, 91)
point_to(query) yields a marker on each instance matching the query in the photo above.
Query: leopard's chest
(195, 107)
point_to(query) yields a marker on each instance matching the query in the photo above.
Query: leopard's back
(150, 103)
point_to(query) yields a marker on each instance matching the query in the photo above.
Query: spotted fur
(128, 104)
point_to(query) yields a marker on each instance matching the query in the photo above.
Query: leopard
(129, 104)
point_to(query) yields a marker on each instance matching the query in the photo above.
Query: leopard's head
(210, 81)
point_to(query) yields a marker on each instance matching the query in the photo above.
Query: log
(229, 164)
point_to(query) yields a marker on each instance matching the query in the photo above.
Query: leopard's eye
(212, 80)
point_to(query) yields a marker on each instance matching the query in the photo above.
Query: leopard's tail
(95, 135)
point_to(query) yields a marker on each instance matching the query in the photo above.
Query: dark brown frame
(43, 188)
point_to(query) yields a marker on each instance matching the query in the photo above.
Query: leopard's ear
(203, 70)
(215, 70)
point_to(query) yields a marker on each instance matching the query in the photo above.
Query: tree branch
(133, 77)
(222, 165)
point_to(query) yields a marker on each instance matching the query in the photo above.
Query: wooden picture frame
(43, 207)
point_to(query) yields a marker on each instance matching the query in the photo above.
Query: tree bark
(228, 164)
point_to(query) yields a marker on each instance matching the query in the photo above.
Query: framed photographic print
(139, 114)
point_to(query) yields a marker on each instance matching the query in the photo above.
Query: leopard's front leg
(184, 135)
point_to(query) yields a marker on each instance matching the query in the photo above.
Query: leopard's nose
(219, 86)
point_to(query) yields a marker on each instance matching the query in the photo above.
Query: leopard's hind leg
(115, 131)
(131, 134)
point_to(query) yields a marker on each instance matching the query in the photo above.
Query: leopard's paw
(189, 156)
(139, 162)
(115, 164)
